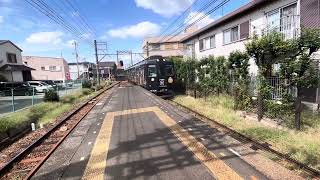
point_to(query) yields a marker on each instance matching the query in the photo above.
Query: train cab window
(169, 70)
(152, 71)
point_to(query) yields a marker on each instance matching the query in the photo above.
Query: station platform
(132, 134)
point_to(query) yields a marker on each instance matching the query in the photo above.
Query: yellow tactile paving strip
(97, 162)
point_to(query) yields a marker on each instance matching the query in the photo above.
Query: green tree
(266, 51)
(220, 74)
(238, 62)
(299, 69)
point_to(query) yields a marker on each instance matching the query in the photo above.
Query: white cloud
(1, 19)
(53, 37)
(165, 8)
(139, 30)
(194, 16)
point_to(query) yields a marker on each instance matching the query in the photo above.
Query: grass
(302, 145)
(45, 112)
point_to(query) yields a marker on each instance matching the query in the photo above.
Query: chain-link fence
(15, 96)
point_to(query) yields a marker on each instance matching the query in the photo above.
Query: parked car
(19, 89)
(50, 82)
(40, 86)
(62, 84)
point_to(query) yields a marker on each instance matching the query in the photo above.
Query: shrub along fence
(274, 92)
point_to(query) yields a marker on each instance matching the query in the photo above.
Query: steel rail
(19, 156)
(263, 146)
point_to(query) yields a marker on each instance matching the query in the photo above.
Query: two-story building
(47, 68)
(168, 46)
(11, 65)
(232, 31)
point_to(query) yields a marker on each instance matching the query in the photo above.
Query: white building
(232, 31)
(81, 70)
(11, 65)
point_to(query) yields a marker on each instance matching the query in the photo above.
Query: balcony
(288, 26)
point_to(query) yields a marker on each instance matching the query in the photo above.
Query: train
(155, 74)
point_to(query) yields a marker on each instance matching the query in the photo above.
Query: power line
(187, 25)
(51, 16)
(56, 15)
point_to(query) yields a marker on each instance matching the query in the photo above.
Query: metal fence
(17, 98)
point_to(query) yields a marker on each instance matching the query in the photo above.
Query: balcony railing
(288, 26)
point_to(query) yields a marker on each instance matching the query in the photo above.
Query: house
(48, 68)
(11, 65)
(232, 31)
(168, 46)
(84, 69)
(107, 69)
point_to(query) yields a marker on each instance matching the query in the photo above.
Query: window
(155, 46)
(273, 20)
(227, 36)
(235, 34)
(212, 41)
(201, 44)
(244, 30)
(152, 71)
(12, 58)
(168, 46)
(52, 68)
(43, 68)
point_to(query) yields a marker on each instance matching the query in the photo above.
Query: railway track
(29, 160)
(314, 173)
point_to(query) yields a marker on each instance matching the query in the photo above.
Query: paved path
(132, 134)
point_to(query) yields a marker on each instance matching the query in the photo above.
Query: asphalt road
(21, 102)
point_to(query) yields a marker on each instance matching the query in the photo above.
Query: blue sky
(122, 23)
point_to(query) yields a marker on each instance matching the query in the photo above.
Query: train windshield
(152, 71)
(167, 70)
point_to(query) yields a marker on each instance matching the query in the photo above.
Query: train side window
(152, 71)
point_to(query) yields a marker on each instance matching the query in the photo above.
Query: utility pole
(76, 54)
(97, 61)
(131, 57)
(117, 58)
(147, 49)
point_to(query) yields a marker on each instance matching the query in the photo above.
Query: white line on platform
(202, 139)
(190, 129)
(180, 121)
(98, 124)
(99, 104)
(94, 132)
(89, 143)
(82, 158)
(234, 152)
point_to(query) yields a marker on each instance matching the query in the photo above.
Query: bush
(86, 84)
(51, 96)
(86, 91)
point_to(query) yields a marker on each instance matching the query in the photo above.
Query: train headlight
(152, 79)
(170, 80)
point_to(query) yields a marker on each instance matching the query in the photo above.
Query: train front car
(160, 76)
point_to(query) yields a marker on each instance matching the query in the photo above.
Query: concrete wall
(257, 21)
(61, 72)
